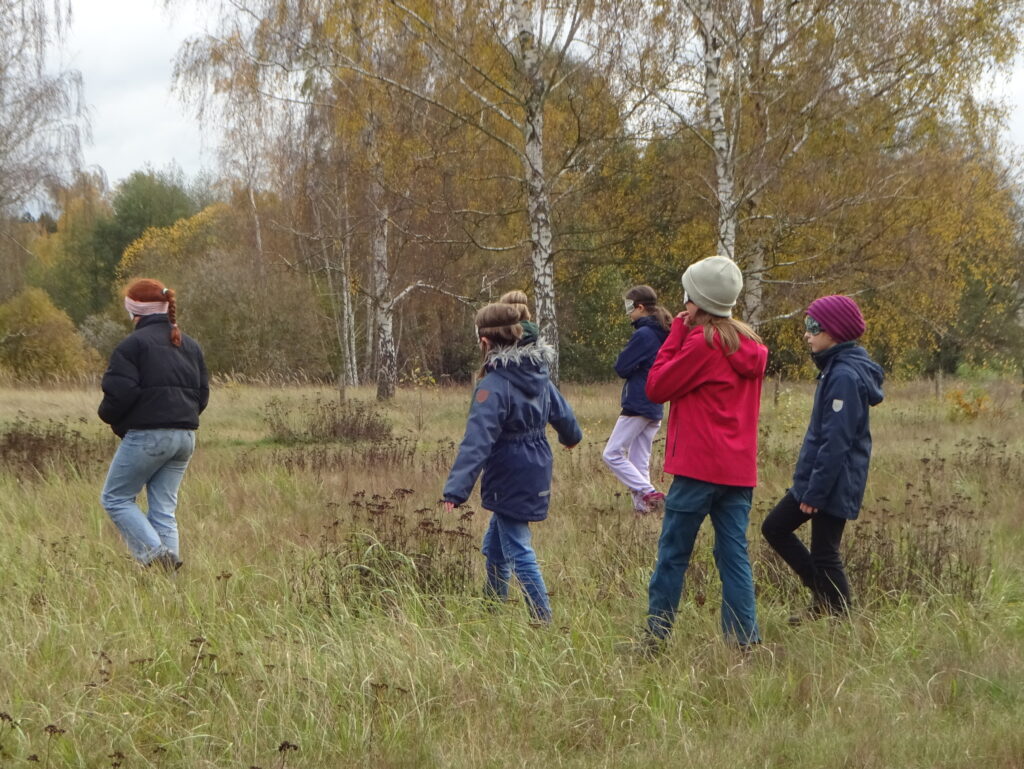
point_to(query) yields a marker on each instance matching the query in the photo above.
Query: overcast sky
(125, 51)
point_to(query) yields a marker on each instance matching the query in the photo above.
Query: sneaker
(167, 562)
(645, 647)
(654, 500)
(639, 506)
(812, 613)
(820, 610)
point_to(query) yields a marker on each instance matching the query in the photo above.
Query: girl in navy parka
(513, 403)
(628, 451)
(832, 470)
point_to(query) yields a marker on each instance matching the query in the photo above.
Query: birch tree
(316, 181)
(41, 117)
(498, 67)
(274, 52)
(758, 78)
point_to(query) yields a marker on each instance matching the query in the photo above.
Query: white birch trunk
(720, 139)
(257, 228)
(538, 201)
(371, 339)
(348, 315)
(384, 308)
(348, 319)
(754, 280)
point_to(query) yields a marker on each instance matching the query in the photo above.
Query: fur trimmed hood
(525, 366)
(538, 353)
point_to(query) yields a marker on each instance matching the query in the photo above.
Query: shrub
(377, 549)
(967, 404)
(30, 446)
(325, 420)
(39, 341)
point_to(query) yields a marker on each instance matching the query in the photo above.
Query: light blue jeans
(508, 549)
(156, 460)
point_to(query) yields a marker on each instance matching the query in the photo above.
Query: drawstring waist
(523, 436)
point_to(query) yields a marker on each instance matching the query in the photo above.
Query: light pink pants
(628, 453)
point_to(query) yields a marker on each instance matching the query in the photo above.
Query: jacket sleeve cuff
(814, 501)
(679, 331)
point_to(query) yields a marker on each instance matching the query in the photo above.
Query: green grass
(293, 622)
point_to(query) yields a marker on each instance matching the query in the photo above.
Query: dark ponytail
(648, 297)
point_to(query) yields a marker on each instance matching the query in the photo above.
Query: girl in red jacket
(710, 370)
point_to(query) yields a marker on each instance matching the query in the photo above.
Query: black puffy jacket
(151, 384)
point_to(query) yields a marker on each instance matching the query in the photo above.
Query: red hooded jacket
(715, 402)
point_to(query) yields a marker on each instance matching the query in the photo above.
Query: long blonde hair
(729, 330)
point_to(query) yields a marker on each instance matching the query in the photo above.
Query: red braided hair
(150, 290)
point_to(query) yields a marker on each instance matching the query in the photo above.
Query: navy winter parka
(832, 470)
(505, 435)
(634, 362)
(151, 384)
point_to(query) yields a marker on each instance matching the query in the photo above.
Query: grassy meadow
(329, 613)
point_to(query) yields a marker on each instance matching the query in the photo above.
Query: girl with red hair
(154, 390)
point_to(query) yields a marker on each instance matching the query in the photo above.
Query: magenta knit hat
(839, 316)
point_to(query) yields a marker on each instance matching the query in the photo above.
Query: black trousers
(821, 567)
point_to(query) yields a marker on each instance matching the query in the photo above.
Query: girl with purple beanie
(832, 469)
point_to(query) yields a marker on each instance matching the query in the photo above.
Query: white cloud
(125, 52)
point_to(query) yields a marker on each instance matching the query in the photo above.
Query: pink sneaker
(654, 500)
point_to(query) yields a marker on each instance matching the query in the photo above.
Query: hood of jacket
(525, 366)
(652, 322)
(750, 359)
(531, 333)
(855, 357)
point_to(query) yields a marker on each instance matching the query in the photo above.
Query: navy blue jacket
(832, 470)
(151, 384)
(634, 362)
(505, 435)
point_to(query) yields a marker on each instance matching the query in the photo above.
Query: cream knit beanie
(714, 284)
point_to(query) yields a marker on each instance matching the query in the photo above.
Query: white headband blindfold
(145, 308)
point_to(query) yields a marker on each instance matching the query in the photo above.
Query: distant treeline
(387, 171)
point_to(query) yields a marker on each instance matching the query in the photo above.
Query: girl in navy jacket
(628, 451)
(832, 470)
(513, 403)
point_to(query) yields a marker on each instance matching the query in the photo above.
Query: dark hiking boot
(812, 613)
(643, 648)
(166, 562)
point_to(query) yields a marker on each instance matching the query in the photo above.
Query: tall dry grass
(328, 614)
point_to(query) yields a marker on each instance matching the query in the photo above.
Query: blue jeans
(688, 502)
(156, 460)
(508, 550)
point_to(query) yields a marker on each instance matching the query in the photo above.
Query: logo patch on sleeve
(482, 395)
(837, 405)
